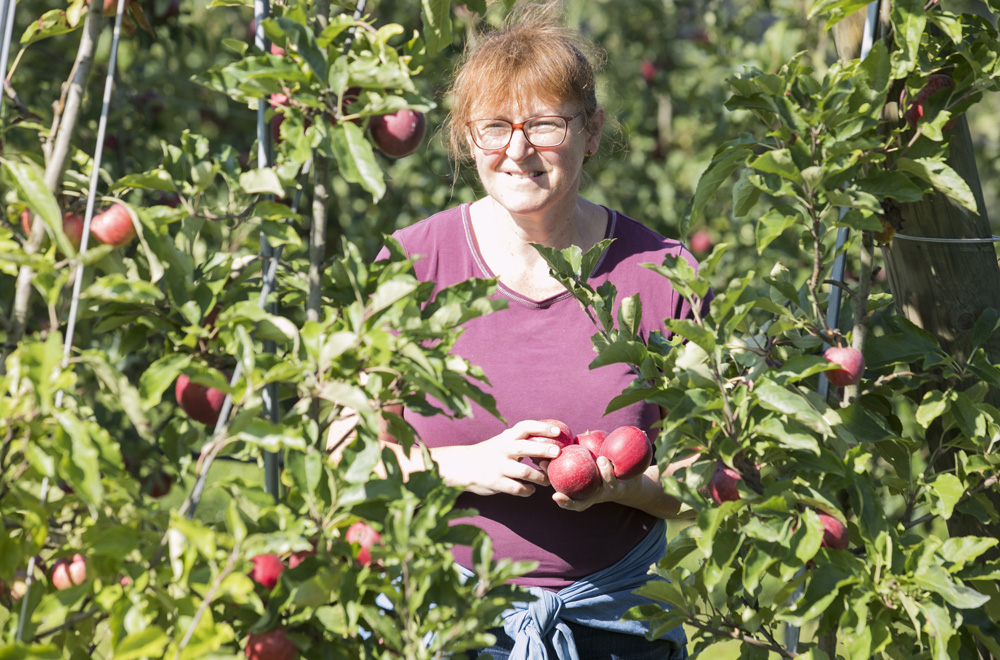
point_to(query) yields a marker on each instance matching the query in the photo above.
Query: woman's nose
(519, 147)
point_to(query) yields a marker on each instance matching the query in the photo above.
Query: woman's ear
(594, 128)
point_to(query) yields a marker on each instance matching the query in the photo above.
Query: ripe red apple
(266, 570)
(574, 472)
(398, 134)
(592, 440)
(564, 438)
(298, 557)
(935, 83)
(72, 226)
(834, 533)
(701, 242)
(648, 71)
(67, 573)
(723, 484)
(629, 450)
(201, 403)
(271, 645)
(157, 484)
(113, 226)
(851, 363)
(365, 536)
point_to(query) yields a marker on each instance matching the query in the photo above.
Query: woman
(525, 112)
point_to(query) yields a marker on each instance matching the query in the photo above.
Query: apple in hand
(72, 226)
(564, 439)
(271, 645)
(592, 440)
(201, 403)
(113, 226)
(629, 450)
(723, 484)
(574, 473)
(266, 570)
(398, 134)
(851, 363)
(834, 532)
(69, 572)
(365, 536)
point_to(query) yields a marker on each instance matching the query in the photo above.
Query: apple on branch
(835, 534)
(398, 134)
(266, 570)
(69, 572)
(271, 645)
(201, 403)
(915, 112)
(72, 225)
(629, 450)
(113, 226)
(850, 365)
(723, 484)
(365, 536)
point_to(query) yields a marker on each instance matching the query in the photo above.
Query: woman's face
(527, 180)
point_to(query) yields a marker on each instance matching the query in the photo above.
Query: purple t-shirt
(536, 355)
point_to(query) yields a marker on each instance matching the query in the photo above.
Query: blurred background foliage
(663, 84)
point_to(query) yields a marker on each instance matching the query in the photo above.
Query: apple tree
(147, 381)
(824, 508)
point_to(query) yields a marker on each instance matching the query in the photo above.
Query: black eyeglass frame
(520, 125)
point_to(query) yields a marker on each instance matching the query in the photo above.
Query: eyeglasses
(545, 131)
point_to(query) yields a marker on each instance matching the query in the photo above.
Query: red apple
(113, 226)
(648, 72)
(365, 536)
(564, 438)
(398, 134)
(592, 440)
(72, 226)
(834, 532)
(935, 83)
(629, 450)
(723, 484)
(851, 363)
(574, 473)
(266, 570)
(701, 242)
(201, 403)
(277, 50)
(298, 557)
(67, 573)
(271, 645)
(157, 484)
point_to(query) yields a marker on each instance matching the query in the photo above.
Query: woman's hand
(643, 492)
(494, 466)
(612, 489)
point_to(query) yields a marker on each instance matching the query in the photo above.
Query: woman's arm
(486, 468)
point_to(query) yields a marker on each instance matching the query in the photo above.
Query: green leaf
(146, 643)
(29, 182)
(779, 162)
(935, 579)
(948, 490)
(357, 158)
(789, 402)
(158, 376)
(50, 24)
(838, 10)
(725, 161)
(942, 177)
(773, 224)
(437, 24)
(264, 181)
